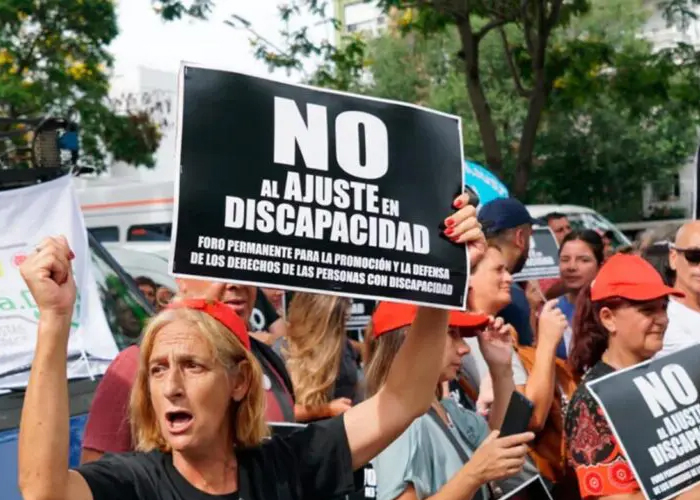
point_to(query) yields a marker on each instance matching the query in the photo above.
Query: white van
(581, 218)
(128, 213)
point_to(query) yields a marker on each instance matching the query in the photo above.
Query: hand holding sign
(48, 275)
(464, 227)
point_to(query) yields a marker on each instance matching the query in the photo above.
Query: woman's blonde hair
(379, 355)
(248, 427)
(315, 338)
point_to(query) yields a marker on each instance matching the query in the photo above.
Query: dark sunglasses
(692, 255)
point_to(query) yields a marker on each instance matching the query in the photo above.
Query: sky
(146, 41)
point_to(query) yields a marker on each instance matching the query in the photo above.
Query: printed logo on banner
(662, 441)
(543, 257)
(18, 259)
(48, 209)
(313, 193)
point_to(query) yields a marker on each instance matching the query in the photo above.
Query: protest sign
(532, 489)
(365, 478)
(360, 315)
(654, 412)
(27, 216)
(543, 259)
(294, 187)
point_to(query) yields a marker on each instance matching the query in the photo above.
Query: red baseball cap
(220, 312)
(389, 316)
(630, 277)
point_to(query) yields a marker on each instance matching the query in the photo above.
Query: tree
(591, 149)
(54, 61)
(537, 54)
(171, 10)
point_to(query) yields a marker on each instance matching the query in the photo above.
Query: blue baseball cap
(505, 213)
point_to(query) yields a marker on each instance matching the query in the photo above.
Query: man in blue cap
(507, 223)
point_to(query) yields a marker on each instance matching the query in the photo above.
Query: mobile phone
(518, 414)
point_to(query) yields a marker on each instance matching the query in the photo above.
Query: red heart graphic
(17, 259)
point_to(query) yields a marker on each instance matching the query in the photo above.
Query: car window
(150, 232)
(105, 234)
(599, 223)
(124, 306)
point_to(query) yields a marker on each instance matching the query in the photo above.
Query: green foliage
(569, 94)
(54, 61)
(171, 10)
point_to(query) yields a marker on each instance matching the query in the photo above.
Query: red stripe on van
(155, 201)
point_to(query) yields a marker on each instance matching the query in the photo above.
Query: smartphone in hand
(518, 414)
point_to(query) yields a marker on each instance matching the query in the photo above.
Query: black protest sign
(533, 489)
(365, 477)
(300, 188)
(654, 412)
(543, 259)
(360, 315)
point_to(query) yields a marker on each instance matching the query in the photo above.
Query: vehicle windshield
(125, 308)
(598, 222)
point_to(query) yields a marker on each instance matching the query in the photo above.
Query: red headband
(220, 312)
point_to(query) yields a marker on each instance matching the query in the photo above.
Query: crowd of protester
(422, 396)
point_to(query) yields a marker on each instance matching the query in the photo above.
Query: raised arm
(541, 381)
(410, 385)
(496, 346)
(44, 426)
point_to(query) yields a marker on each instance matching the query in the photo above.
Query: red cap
(390, 316)
(220, 312)
(630, 277)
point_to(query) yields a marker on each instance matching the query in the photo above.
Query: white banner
(27, 216)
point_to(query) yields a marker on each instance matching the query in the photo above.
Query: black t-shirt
(346, 383)
(263, 314)
(313, 462)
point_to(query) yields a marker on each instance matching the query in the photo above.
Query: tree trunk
(526, 148)
(541, 88)
(480, 106)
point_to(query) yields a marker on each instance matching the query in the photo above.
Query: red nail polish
(449, 222)
(458, 203)
(71, 255)
(449, 231)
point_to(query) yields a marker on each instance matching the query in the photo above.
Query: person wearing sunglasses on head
(197, 408)
(684, 312)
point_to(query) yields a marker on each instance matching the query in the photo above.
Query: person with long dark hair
(619, 322)
(580, 257)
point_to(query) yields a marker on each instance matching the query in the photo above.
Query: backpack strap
(461, 452)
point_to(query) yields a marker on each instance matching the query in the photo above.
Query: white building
(677, 195)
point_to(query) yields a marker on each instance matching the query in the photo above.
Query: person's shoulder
(128, 357)
(126, 362)
(469, 422)
(518, 299)
(583, 405)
